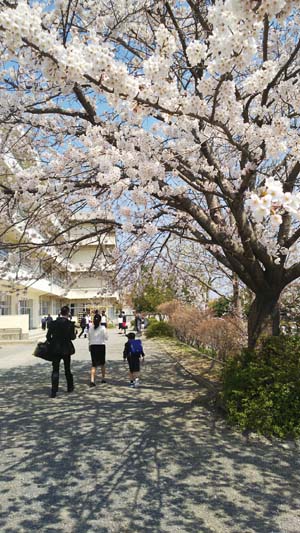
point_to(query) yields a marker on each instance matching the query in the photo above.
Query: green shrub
(159, 329)
(152, 320)
(221, 306)
(261, 389)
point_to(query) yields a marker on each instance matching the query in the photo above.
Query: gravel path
(115, 459)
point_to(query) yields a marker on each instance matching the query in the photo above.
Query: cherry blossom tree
(172, 117)
(192, 272)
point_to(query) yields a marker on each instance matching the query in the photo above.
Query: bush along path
(147, 460)
(257, 390)
(261, 390)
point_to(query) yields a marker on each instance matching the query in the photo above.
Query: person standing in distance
(138, 323)
(60, 334)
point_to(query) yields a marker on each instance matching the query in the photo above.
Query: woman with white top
(97, 337)
(120, 322)
(103, 319)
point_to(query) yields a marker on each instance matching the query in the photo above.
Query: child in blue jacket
(133, 352)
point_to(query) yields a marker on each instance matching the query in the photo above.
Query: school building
(33, 288)
(37, 283)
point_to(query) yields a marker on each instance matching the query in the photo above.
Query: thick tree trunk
(264, 317)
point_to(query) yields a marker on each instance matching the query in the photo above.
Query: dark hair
(65, 310)
(131, 335)
(96, 321)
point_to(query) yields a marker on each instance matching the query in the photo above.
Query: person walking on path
(120, 322)
(138, 323)
(133, 352)
(83, 322)
(49, 319)
(103, 319)
(97, 337)
(60, 334)
(124, 322)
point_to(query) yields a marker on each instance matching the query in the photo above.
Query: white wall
(89, 282)
(15, 321)
(86, 254)
(85, 295)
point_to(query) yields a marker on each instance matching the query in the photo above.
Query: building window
(57, 307)
(25, 308)
(79, 308)
(5, 304)
(44, 306)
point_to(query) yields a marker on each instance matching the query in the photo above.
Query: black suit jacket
(60, 334)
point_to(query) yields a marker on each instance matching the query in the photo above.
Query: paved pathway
(115, 459)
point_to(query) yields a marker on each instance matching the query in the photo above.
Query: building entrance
(25, 308)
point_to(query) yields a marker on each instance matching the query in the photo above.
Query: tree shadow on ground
(113, 459)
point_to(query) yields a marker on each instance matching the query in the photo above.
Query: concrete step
(34, 336)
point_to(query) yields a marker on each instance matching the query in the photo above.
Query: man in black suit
(60, 334)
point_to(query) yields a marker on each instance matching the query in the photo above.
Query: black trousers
(82, 331)
(55, 373)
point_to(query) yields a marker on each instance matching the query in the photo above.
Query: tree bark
(236, 299)
(264, 317)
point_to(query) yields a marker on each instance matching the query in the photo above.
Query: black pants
(55, 373)
(82, 331)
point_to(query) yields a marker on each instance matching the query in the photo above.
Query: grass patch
(192, 359)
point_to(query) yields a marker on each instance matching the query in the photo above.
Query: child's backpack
(135, 347)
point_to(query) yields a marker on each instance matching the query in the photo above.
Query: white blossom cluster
(73, 62)
(273, 202)
(165, 41)
(196, 51)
